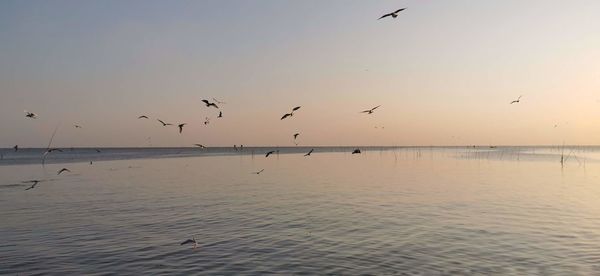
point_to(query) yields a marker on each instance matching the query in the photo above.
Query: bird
(200, 146)
(258, 172)
(356, 151)
(163, 123)
(370, 111)
(392, 14)
(220, 114)
(77, 126)
(192, 241)
(296, 135)
(143, 117)
(63, 170)
(97, 150)
(206, 121)
(181, 127)
(308, 154)
(30, 115)
(269, 153)
(35, 182)
(16, 147)
(286, 115)
(518, 100)
(209, 104)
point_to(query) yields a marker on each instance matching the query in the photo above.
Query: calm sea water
(417, 211)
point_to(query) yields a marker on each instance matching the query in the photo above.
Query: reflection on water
(425, 211)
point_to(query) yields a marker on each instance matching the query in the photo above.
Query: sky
(444, 72)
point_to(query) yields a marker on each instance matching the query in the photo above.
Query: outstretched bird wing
(385, 15)
(375, 107)
(400, 10)
(188, 241)
(295, 108)
(286, 115)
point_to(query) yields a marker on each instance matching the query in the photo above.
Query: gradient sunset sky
(444, 72)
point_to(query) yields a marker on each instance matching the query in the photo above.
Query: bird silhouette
(97, 150)
(392, 14)
(200, 146)
(308, 154)
(220, 114)
(35, 182)
(206, 120)
(163, 123)
(16, 147)
(258, 172)
(143, 117)
(209, 104)
(370, 111)
(30, 115)
(296, 135)
(192, 241)
(62, 170)
(269, 153)
(181, 127)
(518, 100)
(356, 151)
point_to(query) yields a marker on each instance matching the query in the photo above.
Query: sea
(470, 210)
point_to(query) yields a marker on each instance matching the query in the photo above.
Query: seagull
(392, 14)
(77, 126)
(35, 182)
(220, 114)
(192, 241)
(16, 147)
(181, 127)
(356, 151)
(258, 172)
(143, 117)
(63, 170)
(163, 123)
(219, 102)
(200, 146)
(518, 100)
(30, 115)
(370, 111)
(269, 153)
(308, 154)
(286, 115)
(296, 135)
(209, 104)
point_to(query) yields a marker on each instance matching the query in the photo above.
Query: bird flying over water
(30, 115)
(308, 154)
(200, 146)
(392, 14)
(518, 100)
(62, 170)
(291, 113)
(356, 151)
(181, 127)
(143, 117)
(163, 123)
(370, 111)
(192, 241)
(296, 135)
(209, 104)
(35, 182)
(269, 153)
(258, 172)
(16, 147)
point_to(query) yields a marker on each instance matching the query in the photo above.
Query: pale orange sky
(443, 72)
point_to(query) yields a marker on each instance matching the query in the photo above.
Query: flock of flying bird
(209, 104)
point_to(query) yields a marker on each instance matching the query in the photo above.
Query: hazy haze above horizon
(444, 72)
